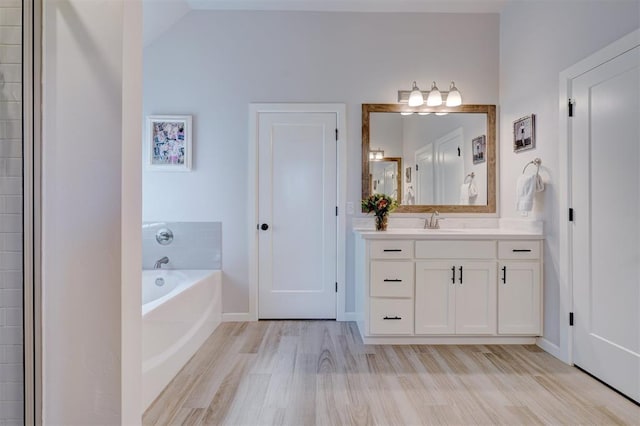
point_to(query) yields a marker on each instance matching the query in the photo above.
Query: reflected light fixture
(376, 154)
(434, 97)
(415, 97)
(406, 113)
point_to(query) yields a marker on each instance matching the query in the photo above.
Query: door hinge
(336, 210)
(336, 287)
(570, 105)
(571, 319)
(416, 167)
(336, 134)
(570, 215)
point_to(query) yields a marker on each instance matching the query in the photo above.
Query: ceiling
(160, 15)
(432, 6)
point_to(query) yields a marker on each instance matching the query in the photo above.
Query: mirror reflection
(386, 176)
(445, 159)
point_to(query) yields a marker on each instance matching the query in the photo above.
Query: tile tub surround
(195, 245)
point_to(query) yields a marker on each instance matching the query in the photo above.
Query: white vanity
(478, 286)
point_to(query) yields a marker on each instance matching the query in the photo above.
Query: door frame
(564, 350)
(255, 109)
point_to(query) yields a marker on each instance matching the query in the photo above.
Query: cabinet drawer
(391, 279)
(443, 249)
(391, 316)
(391, 249)
(519, 249)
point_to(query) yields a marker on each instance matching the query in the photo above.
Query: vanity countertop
(449, 234)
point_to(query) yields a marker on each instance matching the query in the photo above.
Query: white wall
(11, 282)
(539, 39)
(89, 200)
(213, 64)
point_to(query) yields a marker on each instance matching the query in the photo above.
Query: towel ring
(535, 161)
(470, 176)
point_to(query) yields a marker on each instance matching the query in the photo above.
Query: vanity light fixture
(415, 97)
(406, 113)
(376, 154)
(434, 97)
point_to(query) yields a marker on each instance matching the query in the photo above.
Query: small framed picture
(168, 143)
(479, 145)
(524, 133)
(407, 174)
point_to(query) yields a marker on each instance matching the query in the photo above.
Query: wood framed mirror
(385, 176)
(446, 156)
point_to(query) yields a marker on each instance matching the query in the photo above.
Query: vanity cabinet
(468, 272)
(519, 288)
(480, 290)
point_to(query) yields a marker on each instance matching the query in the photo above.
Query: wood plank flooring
(320, 373)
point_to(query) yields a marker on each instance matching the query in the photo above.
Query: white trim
(615, 49)
(549, 347)
(449, 340)
(252, 202)
(349, 316)
(237, 317)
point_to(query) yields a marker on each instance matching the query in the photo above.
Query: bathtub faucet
(160, 262)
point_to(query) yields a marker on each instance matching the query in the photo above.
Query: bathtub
(180, 310)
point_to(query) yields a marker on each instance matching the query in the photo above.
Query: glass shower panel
(11, 218)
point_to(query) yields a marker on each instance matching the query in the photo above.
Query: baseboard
(549, 347)
(349, 316)
(236, 317)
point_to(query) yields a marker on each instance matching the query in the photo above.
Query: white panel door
(476, 298)
(435, 308)
(519, 297)
(605, 188)
(449, 165)
(425, 190)
(297, 211)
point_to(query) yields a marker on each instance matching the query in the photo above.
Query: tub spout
(160, 262)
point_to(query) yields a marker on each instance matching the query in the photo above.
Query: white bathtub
(177, 317)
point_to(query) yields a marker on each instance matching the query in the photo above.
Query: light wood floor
(319, 372)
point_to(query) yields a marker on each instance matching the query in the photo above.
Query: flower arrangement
(381, 205)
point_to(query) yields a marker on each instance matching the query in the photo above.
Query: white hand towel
(526, 187)
(468, 193)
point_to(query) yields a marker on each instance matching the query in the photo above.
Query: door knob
(264, 226)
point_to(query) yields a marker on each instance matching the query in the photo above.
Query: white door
(449, 167)
(605, 146)
(425, 191)
(519, 297)
(435, 311)
(476, 298)
(297, 212)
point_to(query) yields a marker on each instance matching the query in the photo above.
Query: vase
(381, 223)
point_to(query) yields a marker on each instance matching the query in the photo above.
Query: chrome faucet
(433, 222)
(160, 262)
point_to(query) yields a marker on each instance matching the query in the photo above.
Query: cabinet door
(476, 298)
(435, 298)
(519, 298)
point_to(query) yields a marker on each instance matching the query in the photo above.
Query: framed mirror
(385, 176)
(446, 157)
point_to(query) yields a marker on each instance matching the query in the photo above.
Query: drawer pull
(393, 250)
(461, 275)
(387, 280)
(504, 274)
(521, 250)
(453, 274)
(392, 318)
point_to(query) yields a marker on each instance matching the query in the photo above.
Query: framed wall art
(479, 146)
(168, 143)
(524, 133)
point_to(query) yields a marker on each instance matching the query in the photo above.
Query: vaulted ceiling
(160, 15)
